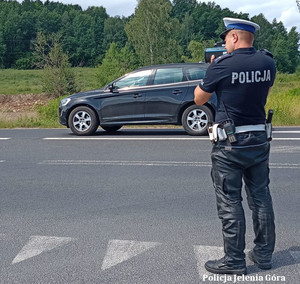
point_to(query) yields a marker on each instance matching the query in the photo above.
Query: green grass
(15, 82)
(86, 78)
(284, 97)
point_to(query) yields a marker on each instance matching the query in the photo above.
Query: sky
(285, 11)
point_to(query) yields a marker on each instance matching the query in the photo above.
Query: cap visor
(223, 34)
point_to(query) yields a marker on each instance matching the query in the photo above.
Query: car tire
(112, 128)
(195, 119)
(83, 121)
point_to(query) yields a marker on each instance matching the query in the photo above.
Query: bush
(24, 63)
(58, 77)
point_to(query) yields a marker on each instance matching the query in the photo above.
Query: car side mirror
(112, 87)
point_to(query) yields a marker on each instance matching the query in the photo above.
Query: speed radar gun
(217, 50)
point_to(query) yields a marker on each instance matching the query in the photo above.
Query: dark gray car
(161, 94)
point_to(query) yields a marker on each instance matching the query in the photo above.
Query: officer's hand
(213, 57)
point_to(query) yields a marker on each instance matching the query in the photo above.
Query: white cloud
(290, 17)
(114, 8)
(271, 9)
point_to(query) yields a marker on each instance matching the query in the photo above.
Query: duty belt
(217, 132)
(247, 128)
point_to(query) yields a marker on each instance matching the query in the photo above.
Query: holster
(216, 133)
(269, 131)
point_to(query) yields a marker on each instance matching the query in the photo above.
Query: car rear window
(168, 76)
(195, 73)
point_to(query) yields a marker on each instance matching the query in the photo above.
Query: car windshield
(136, 79)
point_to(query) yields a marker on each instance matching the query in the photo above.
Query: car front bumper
(63, 116)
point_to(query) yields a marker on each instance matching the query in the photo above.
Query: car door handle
(137, 95)
(177, 92)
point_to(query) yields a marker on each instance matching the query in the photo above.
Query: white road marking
(127, 138)
(5, 138)
(285, 149)
(150, 163)
(39, 244)
(286, 139)
(146, 139)
(2, 161)
(286, 131)
(295, 255)
(119, 251)
(126, 163)
(205, 253)
(284, 166)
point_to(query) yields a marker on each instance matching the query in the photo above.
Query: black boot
(222, 267)
(260, 264)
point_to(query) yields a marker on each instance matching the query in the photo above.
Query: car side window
(136, 79)
(195, 73)
(168, 75)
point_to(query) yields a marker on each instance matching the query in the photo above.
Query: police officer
(241, 80)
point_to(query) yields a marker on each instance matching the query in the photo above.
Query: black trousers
(246, 160)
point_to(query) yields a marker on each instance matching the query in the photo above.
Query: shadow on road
(141, 132)
(281, 259)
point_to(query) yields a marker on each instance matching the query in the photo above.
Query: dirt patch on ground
(13, 107)
(22, 103)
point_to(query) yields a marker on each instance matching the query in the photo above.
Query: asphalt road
(135, 207)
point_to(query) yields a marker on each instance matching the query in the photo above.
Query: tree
(264, 37)
(58, 78)
(197, 50)
(293, 38)
(159, 32)
(10, 21)
(280, 54)
(206, 19)
(186, 31)
(114, 31)
(183, 7)
(151, 32)
(79, 37)
(99, 18)
(116, 63)
(2, 49)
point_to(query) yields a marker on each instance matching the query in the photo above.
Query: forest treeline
(160, 31)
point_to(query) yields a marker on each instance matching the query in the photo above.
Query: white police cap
(238, 24)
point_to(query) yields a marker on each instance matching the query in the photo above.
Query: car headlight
(65, 101)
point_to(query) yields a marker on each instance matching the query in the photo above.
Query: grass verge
(284, 99)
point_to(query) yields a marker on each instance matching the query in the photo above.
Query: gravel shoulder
(12, 107)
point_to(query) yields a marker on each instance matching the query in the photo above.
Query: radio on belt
(229, 128)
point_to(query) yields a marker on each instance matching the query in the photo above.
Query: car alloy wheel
(83, 121)
(195, 119)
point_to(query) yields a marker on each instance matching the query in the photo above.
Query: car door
(127, 101)
(164, 97)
